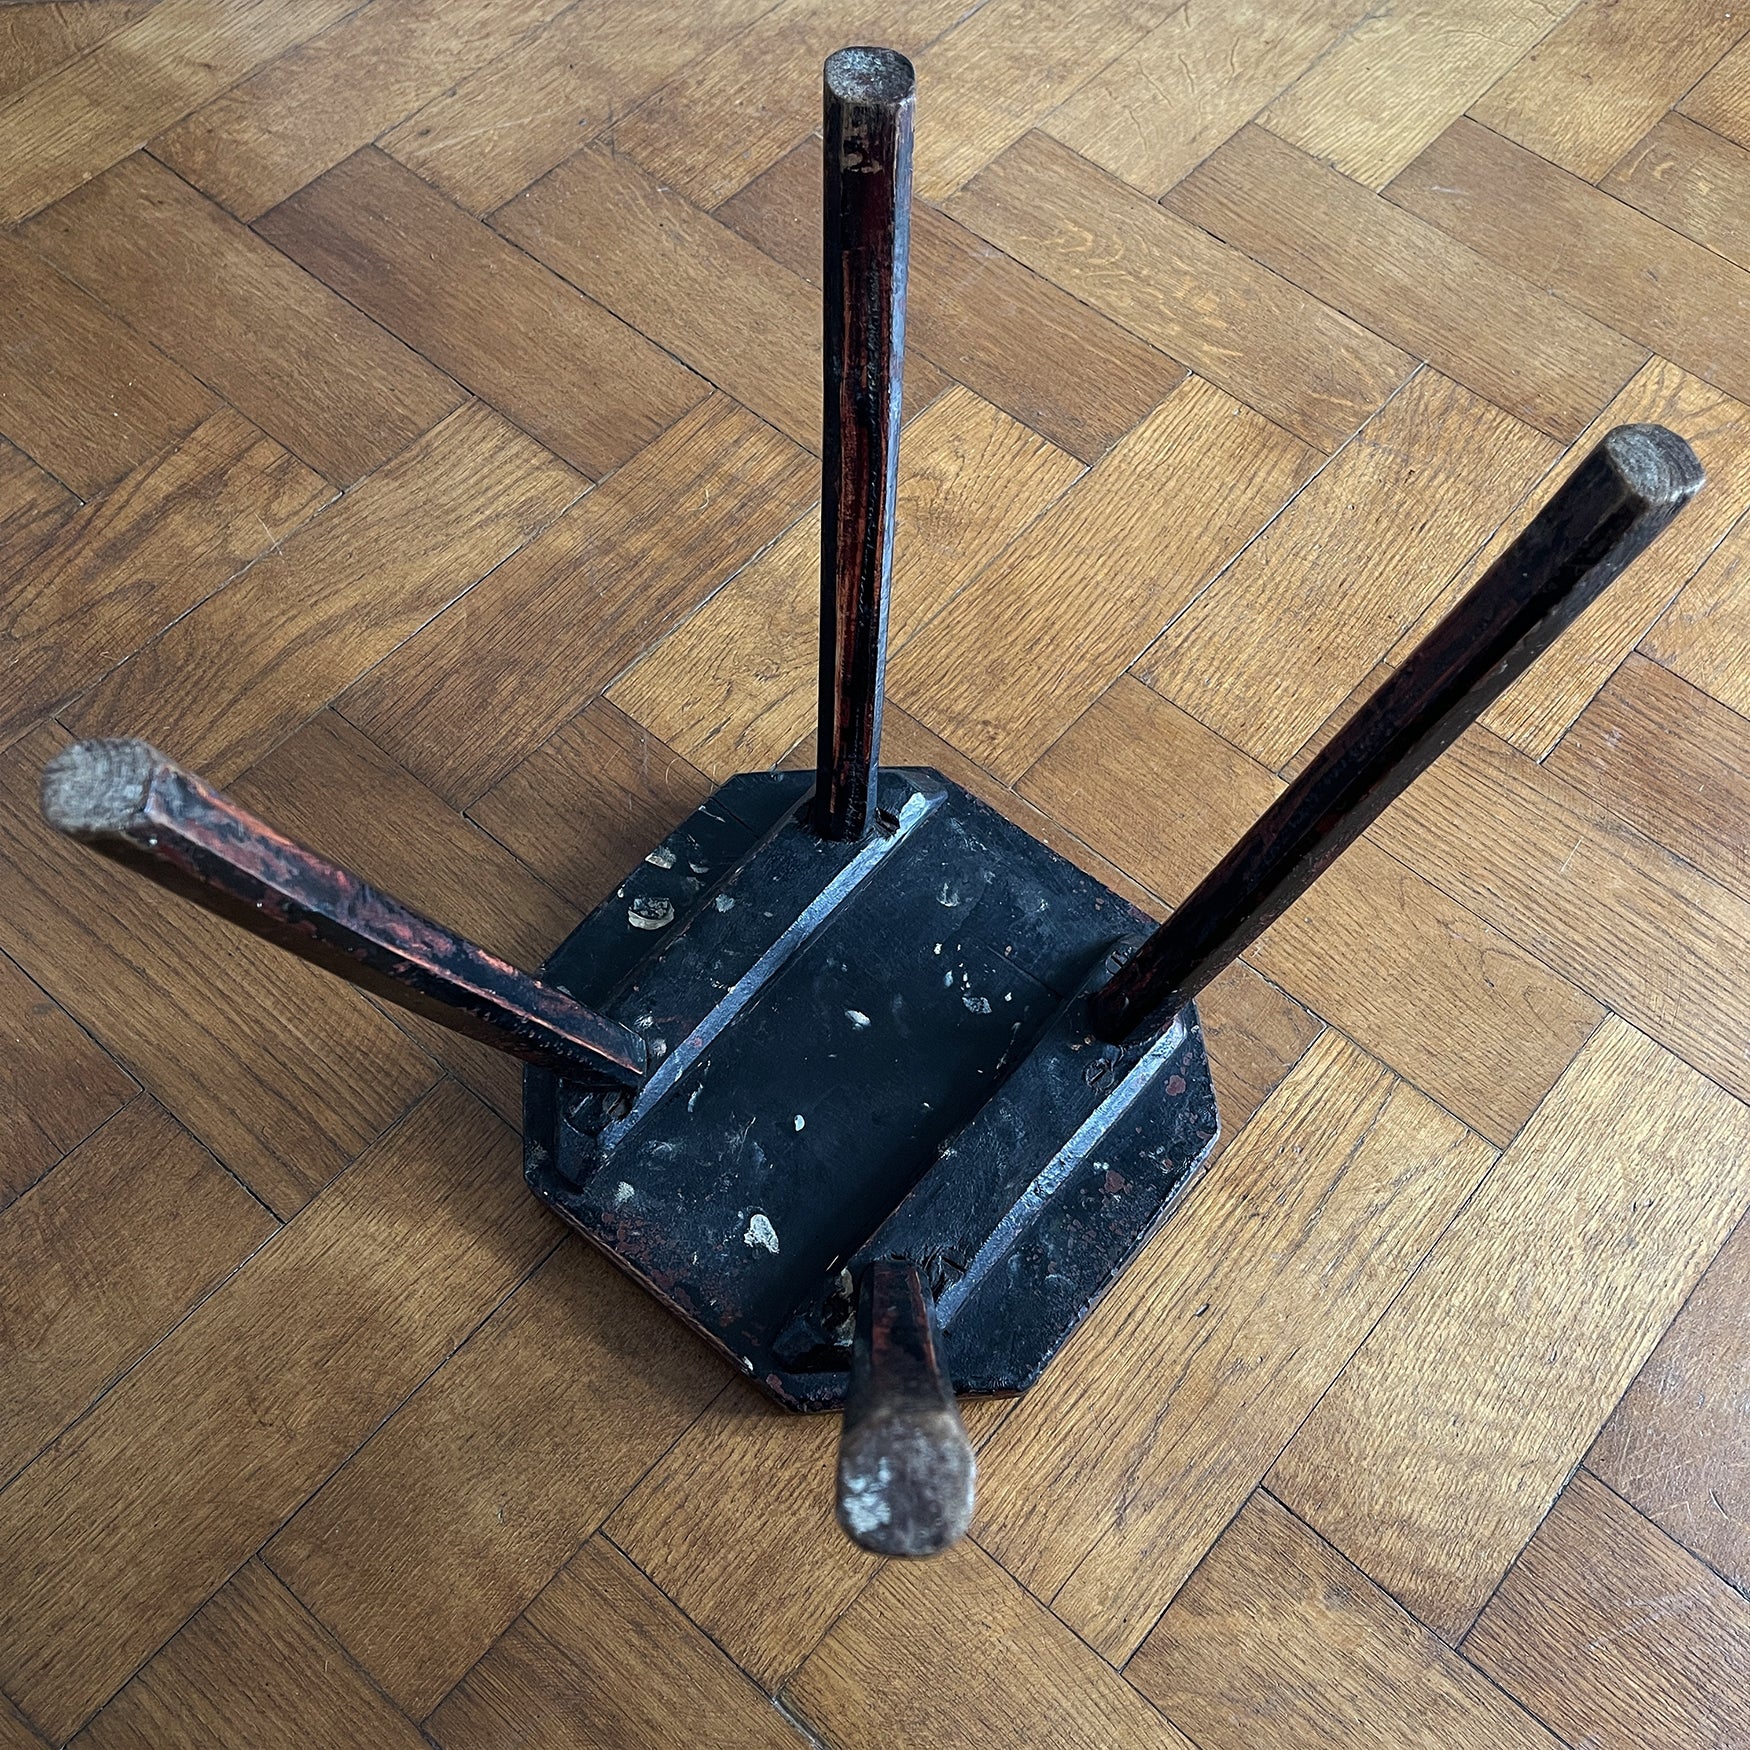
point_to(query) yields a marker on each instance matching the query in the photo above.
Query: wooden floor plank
(1347, 568)
(1005, 67)
(735, 112)
(1042, 632)
(128, 565)
(505, 126)
(682, 278)
(422, 1551)
(307, 367)
(1276, 1639)
(954, 1653)
(1608, 1631)
(34, 506)
(1401, 75)
(1431, 1461)
(1637, 928)
(1109, 1481)
(35, 40)
(1691, 180)
(75, 122)
(1264, 341)
(589, 802)
(57, 1085)
(1674, 1447)
(1660, 754)
(101, 1258)
(602, 1658)
(285, 1103)
(1721, 101)
(80, 391)
(1022, 343)
(250, 1667)
(1484, 326)
(567, 371)
(733, 688)
(1605, 75)
(485, 684)
(1159, 109)
(283, 126)
(1599, 254)
(1698, 636)
(165, 1489)
(1448, 1002)
(300, 625)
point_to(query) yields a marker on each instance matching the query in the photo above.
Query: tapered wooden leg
(1613, 505)
(906, 1468)
(869, 101)
(132, 803)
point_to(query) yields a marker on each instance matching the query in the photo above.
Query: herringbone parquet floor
(411, 417)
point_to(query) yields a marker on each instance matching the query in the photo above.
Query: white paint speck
(801, 1122)
(725, 902)
(661, 858)
(978, 1005)
(760, 1232)
(857, 1018)
(623, 1193)
(650, 914)
(947, 898)
(863, 1501)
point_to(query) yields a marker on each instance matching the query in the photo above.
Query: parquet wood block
(1622, 918)
(1674, 1447)
(15, 1732)
(57, 1085)
(590, 801)
(1431, 1460)
(1210, 307)
(681, 277)
(101, 1258)
(75, 122)
(82, 393)
(733, 687)
(1485, 327)
(1142, 781)
(421, 1552)
(954, 1653)
(765, 1586)
(601, 1658)
(1599, 254)
(165, 1489)
(35, 40)
(568, 372)
(1721, 101)
(1022, 343)
(1007, 66)
(250, 1668)
(1400, 76)
(127, 565)
(1347, 568)
(33, 506)
(1109, 1481)
(284, 1106)
(336, 790)
(483, 685)
(1276, 1639)
(1697, 636)
(1535, 712)
(1157, 110)
(300, 626)
(1604, 76)
(1691, 180)
(283, 126)
(1660, 754)
(1039, 634)
(307, 367)
(506, 125)
(1448, 1002)
(1616, 1637)
(735, 112)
